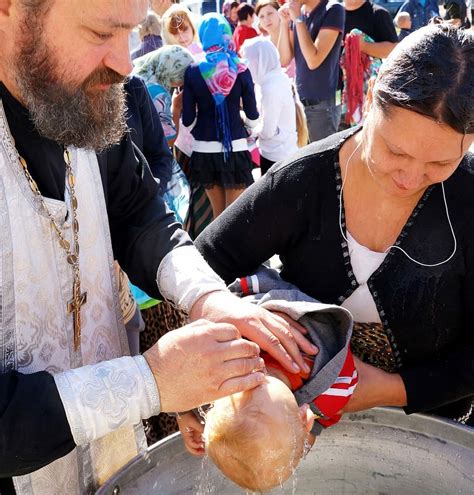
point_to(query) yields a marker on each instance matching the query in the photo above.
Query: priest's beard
(71, 114)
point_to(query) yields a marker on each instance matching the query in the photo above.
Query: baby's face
(276, 440)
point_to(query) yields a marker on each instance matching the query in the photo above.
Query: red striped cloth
(331, 402)
(334, 398)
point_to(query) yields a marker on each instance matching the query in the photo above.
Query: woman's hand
(281, 337)
(376, 388)
(191, 431)
(294, 9)
(284, 13)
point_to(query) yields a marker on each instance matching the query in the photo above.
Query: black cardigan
(428, 313)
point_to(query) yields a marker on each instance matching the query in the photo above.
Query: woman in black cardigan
(381, 221)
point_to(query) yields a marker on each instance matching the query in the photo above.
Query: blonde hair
(151, 25)
(301, 123)
(173, 21)
(243, 445)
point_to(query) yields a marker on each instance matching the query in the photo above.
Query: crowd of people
(183, 152)
(326, 54)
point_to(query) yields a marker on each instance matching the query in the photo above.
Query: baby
(258, 437)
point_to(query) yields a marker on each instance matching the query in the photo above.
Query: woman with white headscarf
(162, 70)
(277, 134)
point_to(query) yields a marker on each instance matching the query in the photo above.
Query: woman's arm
(189, 100)
(285, 38)
(439, 381)
(376, 388)
(424, 387)
(262, 222)
(249, 104)
(316, 51)
(269, 112)
(449, 375)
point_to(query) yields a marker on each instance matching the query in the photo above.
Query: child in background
(179, 29)
(278, 134)
(257, 437)
(244, 30)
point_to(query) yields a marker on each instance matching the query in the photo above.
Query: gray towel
(329, 327)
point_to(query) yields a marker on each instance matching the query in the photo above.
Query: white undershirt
(364, 262)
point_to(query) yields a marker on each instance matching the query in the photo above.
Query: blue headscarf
(219, 69)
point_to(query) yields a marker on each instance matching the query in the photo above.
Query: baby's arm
(191, 431)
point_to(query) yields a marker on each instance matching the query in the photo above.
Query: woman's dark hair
(244, 11)
(431, 72)
(455, 9)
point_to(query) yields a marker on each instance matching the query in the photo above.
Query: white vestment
(36, 330)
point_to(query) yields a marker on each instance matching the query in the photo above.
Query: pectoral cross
(74, 307)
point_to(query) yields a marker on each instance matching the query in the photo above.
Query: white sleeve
(270, 114)
(103, 397)
(184, 276)
(251, 123)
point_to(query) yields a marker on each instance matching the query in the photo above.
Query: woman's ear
(307, 417)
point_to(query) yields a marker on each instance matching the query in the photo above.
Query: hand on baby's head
(256, 438)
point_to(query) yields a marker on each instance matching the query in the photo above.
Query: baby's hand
(191, 431)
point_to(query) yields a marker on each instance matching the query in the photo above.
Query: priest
(74, 197)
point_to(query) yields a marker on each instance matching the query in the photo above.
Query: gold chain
(72, 255)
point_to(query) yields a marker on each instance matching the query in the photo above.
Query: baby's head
(256, 438)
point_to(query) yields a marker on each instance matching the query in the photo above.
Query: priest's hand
(281, 337)
(202, 362)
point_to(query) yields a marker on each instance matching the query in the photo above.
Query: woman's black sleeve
(449, 377)
(142, 227)
(34, 430)
(189, 99)
(260, 223)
